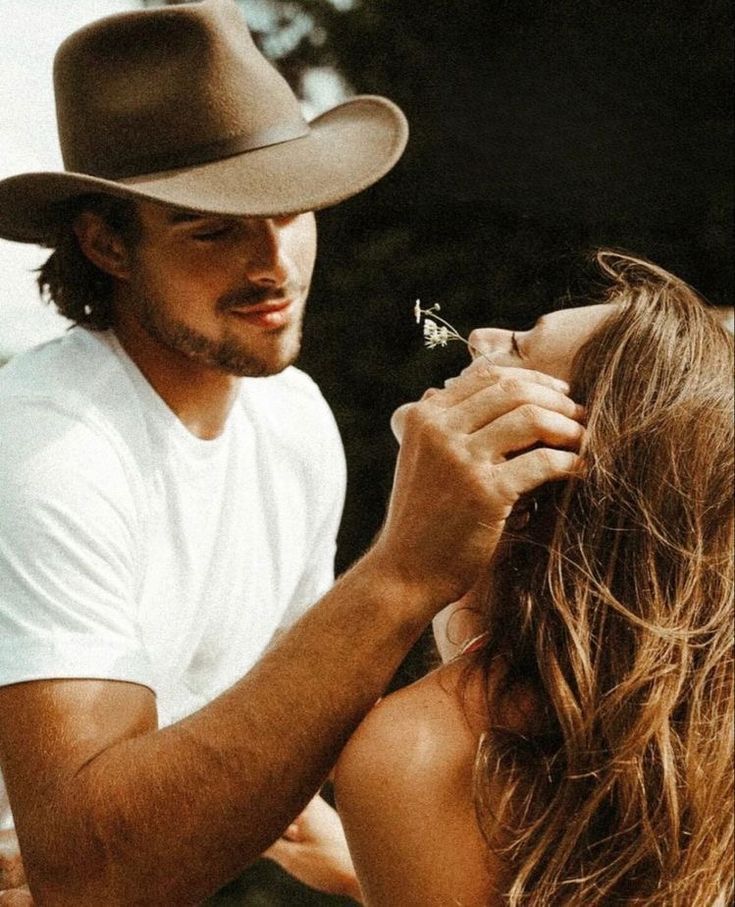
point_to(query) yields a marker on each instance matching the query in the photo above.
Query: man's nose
(266, 261)
(487, 341)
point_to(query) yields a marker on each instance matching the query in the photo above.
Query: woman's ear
(102, 246)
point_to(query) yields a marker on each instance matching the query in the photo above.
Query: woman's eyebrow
(539, 322)
(539, 326)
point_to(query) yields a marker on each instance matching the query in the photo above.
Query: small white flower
(435, 335)
(439, 334)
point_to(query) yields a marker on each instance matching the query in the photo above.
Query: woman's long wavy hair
(615, 605)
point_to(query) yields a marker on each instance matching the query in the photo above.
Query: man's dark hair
(79, 289)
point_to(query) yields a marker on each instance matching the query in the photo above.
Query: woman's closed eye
(514, 345)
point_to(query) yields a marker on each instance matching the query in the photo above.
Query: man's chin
(253, 369)
(229, 354)
(246, 364)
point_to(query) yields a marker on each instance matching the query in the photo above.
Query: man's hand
(468, 452)
(314, 850)
(88, 766)
(13, 890)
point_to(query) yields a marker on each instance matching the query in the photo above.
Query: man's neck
(199, 395)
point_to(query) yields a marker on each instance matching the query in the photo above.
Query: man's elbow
(79, 860)
(65, 866)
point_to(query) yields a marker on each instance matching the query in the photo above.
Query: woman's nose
(488, 341)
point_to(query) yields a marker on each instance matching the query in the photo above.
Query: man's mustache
(254, 295)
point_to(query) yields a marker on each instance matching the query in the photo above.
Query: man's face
(225, 292)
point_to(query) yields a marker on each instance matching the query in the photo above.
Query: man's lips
(274, 313)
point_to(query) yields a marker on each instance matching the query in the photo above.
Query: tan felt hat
(176, 104)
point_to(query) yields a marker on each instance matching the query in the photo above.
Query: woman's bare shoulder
(445, 710)
(437, 717)
(404, 789)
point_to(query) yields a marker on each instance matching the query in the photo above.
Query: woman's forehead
(584, 317)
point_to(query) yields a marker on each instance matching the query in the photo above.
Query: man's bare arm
(110, 810)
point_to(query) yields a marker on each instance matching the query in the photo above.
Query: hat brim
(348, 148)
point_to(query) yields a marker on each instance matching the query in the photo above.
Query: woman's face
(551, 344)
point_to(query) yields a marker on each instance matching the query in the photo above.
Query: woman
(579, 751)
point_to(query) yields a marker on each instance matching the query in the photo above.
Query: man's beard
(230, 355)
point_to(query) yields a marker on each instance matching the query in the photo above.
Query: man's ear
(102, 246)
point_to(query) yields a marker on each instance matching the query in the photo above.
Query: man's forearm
(111, 812)
(170, 816)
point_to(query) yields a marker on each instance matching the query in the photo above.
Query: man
(171, 487)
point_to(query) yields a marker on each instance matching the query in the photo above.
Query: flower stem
(432, 313)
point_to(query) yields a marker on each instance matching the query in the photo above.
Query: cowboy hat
(177, 105)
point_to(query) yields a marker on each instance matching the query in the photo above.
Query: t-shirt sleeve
(69, 533)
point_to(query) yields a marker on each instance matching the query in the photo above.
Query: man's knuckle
(415, 417)
(432, 434)
(542, 378)
(511, 388)
(532, 414)
(458, 459)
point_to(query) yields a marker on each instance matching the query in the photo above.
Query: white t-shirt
(132, 550)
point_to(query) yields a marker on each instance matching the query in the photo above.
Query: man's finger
(469, 411)
(481, 373)
(524, 427)
(530, 470)
(510, 393)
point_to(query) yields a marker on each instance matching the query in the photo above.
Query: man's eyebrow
(186, 217)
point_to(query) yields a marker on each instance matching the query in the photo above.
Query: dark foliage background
(538, 129)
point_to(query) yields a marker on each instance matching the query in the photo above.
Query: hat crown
(164, 88)
(177, 106)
